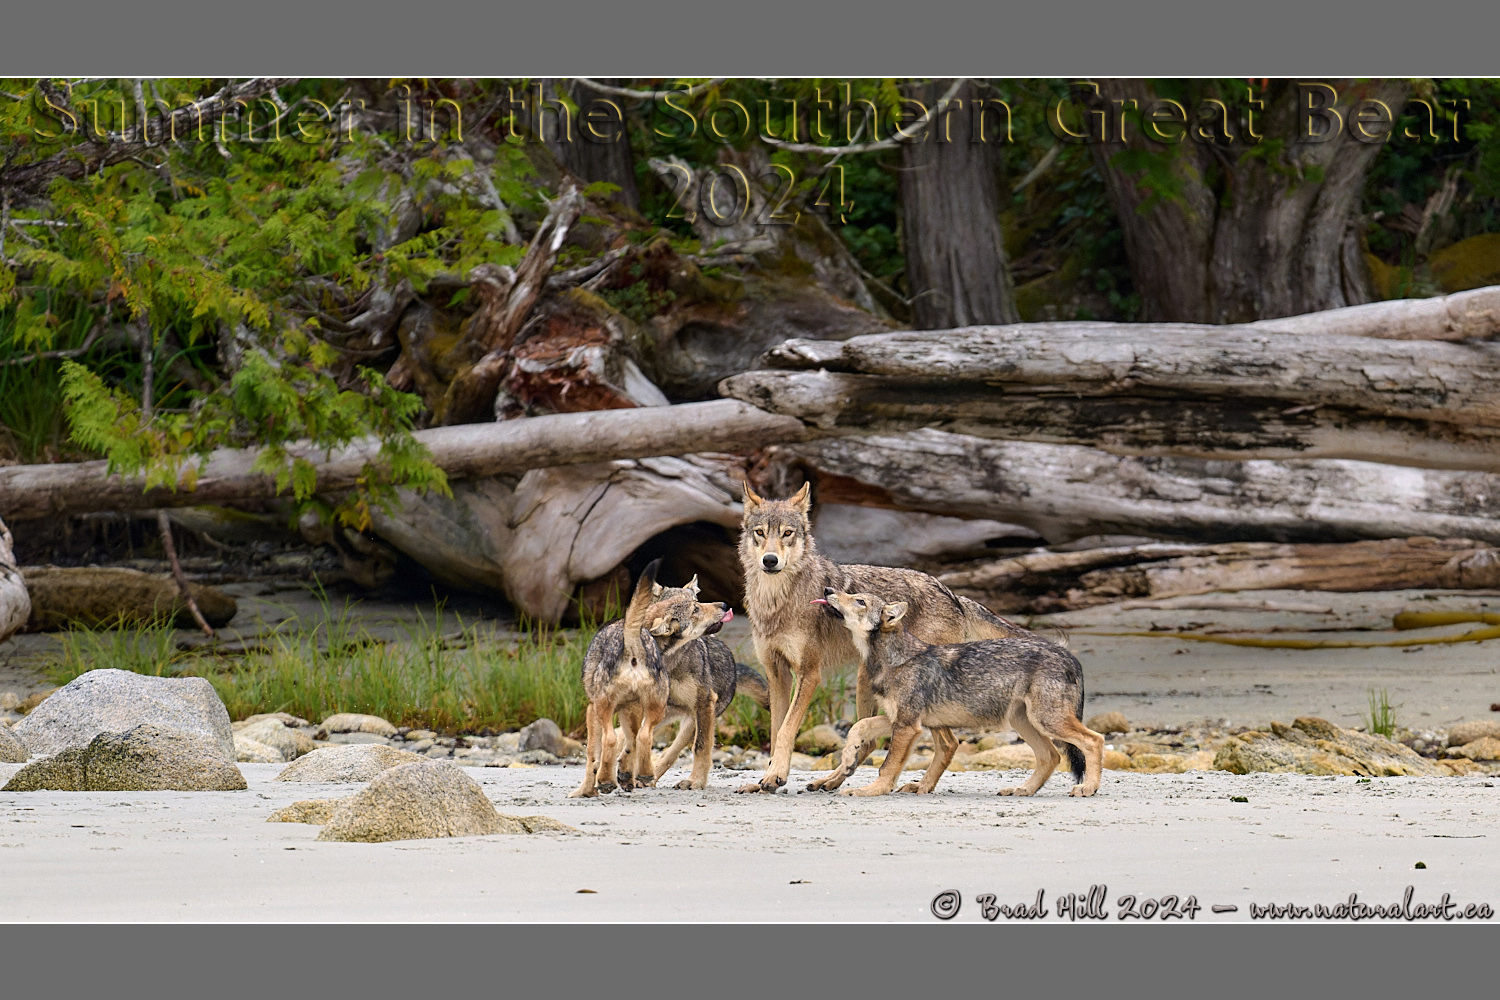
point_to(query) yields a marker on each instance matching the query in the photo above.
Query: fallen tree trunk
(15, 601)
(465, 452)
(1471, 315)
(1125, 424)
(1420, 380)
(1056, 581)
(1066, 492)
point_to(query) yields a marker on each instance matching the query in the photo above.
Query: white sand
(669, 855)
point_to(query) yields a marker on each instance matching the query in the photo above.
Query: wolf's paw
(606, 787)
(584, 793)
(865, 790)
(911, 787)
(1078, 791)
(771, 782)
(688, 784)
(1017, 790)
(749, 789)
(645, 782)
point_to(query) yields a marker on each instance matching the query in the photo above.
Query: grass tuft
(1381, 719)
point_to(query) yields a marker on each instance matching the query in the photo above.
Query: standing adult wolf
(785, 574)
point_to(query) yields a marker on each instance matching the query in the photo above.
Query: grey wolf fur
(784, 574)
(1033, 686)
(673, 631)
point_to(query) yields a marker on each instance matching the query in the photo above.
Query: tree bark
(1065, 492)
(15, 602)
(464, 452)
(950, 219)
(1243, 230)
(1057, 581)
(592, 159)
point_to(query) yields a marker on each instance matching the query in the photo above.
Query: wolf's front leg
(779, 688)
(863, 736)
(902, 739)
(703, 745)
(786, 737)
(685, 732)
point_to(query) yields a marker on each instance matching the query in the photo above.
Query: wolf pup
(1033, 686)
(622, 665)
(784, 574)
(702, 677)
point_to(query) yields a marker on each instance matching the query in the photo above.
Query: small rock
(544, 734)
(1114, 760)
(349, 722)
(272, 732)
(438, 753)
(1316, 746)
(146, 758)
(820, 740)
(285, 718)
(542, 824)
(32, 700)
(993, 740)
(351, 739)
(1109, 722)
(417, 802)
(360, 762)
(1002, 758)
(1467, 732)
(1484, 748)
(313, 811)
(113, 701)
(537, 757)
(508, 742)
(9, 701)
(418, 735)
(12, 750)
(248, 751)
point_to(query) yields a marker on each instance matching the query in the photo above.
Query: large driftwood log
(15, 602)
(557, 529)
(1127, 424)
(1471, 315)
(1054, 581)
(1066, 492)
(465, 452)
(1421, 380)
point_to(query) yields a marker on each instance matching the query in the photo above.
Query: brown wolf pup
(621, 666)
(784, 574)
(1029, 684)
(702, 678)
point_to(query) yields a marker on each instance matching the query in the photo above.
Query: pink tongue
(728, 616)
(819, 601)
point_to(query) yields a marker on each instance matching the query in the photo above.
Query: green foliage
(434, 676)
(638, 300)
(1381, 719)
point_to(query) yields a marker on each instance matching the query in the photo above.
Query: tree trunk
(1242, 231)
(1065, 492)
(589, 157)
(950, 220)
(1059, 581)
(15, 602)
(465, 452)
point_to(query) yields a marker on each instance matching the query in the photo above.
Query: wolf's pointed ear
(641, 599)
(660, 627)
(892, 613)
(802, 499)
(752, 500)
(656, 589)
(692, 585)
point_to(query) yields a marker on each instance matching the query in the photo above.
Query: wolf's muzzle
(770, 562)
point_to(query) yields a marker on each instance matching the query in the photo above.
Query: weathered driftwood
(1471, 315)
(1066, 491)
(1422, 380)
(540, 539)
(92, 596)
(465, 452)
(1050, 581)
(15, 601)
(1127, 424)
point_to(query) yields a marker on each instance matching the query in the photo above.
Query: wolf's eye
(787, 533)
(860, 603)
(760, 533)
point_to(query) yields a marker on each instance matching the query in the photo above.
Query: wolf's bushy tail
(749, 682)
(1076, 762)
